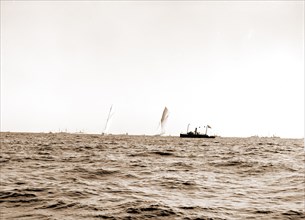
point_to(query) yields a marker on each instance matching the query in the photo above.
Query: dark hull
(196, 136)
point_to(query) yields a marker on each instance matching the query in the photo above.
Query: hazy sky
(235, 65)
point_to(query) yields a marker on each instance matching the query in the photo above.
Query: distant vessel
(196, 134)
(163, 121)
(108, 122)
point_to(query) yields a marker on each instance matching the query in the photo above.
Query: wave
(69, 176)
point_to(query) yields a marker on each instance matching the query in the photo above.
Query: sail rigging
(109, 118)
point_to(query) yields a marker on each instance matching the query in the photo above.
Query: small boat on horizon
(193, 135)
(196, 134)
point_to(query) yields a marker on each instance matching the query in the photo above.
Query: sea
(90, 176)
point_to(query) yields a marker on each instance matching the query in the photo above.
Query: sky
(237, 66)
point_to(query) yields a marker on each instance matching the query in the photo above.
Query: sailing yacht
(163, 121)
(109, 119)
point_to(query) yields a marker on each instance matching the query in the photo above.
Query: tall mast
(187, 131)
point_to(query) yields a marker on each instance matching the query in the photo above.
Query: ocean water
(82, 176)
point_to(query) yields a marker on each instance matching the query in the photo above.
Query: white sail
(163, 121)
(109, 118)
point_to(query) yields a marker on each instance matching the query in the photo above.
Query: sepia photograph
(152, 109)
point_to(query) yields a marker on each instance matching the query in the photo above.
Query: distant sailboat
(163, 121)
(108, 122)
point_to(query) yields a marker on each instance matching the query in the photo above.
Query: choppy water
(73, 176)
